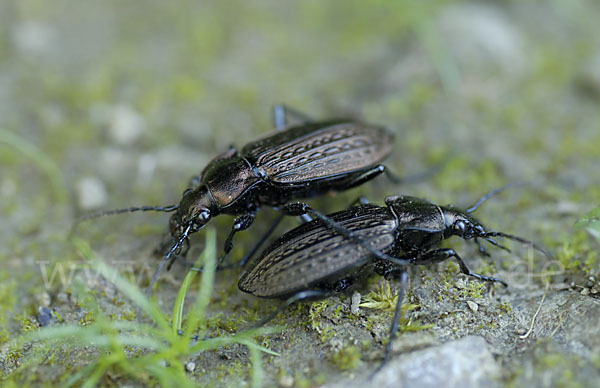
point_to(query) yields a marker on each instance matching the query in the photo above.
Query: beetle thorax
(460, 223)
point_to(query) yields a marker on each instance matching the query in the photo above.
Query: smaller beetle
(321, 257)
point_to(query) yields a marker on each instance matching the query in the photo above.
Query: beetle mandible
(332, 252)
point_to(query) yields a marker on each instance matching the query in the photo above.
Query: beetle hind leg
(403, 275)
(442, 254)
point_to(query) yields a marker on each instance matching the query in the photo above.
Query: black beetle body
(298, 162)
(332, 252)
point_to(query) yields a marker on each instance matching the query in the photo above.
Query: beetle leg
(396, 322)
(261, 241)
(298, 297)
(250, 253)
(413, 178)
(299, 208)
(358, 201)
(482, 249)
(243, 222)
(362, 177)
(441, 254)
(283, 113)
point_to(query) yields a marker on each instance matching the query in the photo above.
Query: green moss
(346, 358)
(505, 307)
(314, 313)
(382, 298)
(577, 253)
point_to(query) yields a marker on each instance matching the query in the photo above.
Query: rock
(44, 316)
(286, 381)
(190, 366)
(472, 305)
(91, 193)
(34, 38)
(463, 363)
(126, 125)
(354, 307)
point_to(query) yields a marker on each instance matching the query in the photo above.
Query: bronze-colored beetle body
(298, 162)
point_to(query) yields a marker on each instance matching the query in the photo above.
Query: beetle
(333, 252)
(296, 161)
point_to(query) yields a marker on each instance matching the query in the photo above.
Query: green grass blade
(257, 370)
(591, 223)
(197, 313)
(43, 161)
(136, 295)
(181, 294)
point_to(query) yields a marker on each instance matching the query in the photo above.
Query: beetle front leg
(241, 223)
(442, 254)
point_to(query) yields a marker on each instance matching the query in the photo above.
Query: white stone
(91, 193)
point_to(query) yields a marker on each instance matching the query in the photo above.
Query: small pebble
(126, 125)
(585, 292)
(44, 316)
(354, 307)
(472, 305)
(286, 381)
(91, 193)
(190, 366)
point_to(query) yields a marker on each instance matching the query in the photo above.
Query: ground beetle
(333, 252)
(297, 161)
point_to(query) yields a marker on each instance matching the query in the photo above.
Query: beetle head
(460, 223)
(195, 210)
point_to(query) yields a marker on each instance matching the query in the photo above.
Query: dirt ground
(115, 104)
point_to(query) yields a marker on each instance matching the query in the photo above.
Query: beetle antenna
(167, 209)
(491, 194)
(519, 239)
(167, 257)
(90, 216)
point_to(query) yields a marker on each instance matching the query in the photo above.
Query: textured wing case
(319, 150)
(312, 252)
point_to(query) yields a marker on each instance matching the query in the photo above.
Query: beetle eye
(204, 215)
(460, 226)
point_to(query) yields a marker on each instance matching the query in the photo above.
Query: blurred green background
(113, 104)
